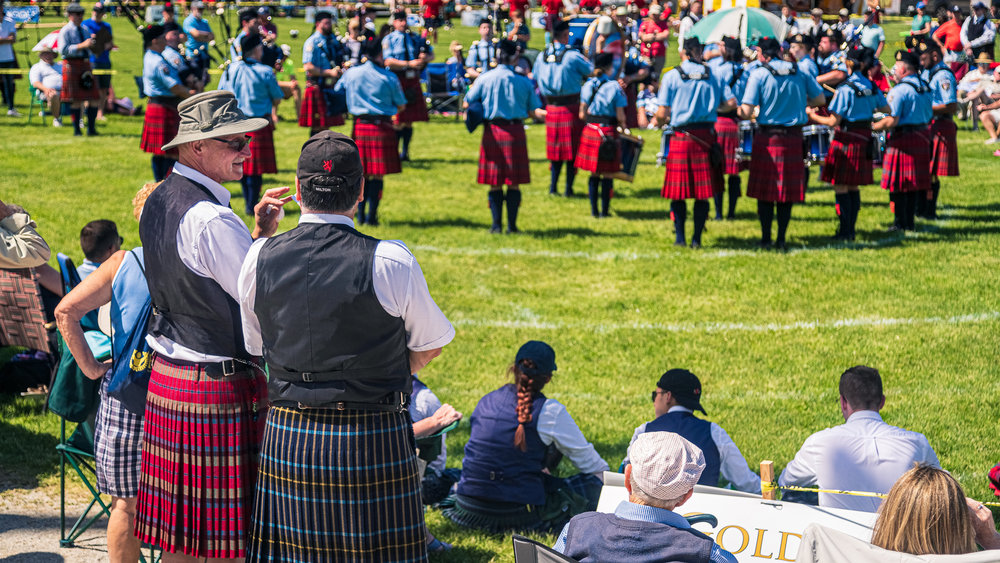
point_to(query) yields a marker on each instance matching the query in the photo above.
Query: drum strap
(774, 72)
(736, 76)
(704, 76)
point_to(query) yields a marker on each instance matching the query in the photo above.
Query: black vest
(319, 314)
(699, 433)
(975, 29)
(593, 537)
(189, 309)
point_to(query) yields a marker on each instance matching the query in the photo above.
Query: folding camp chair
(444, 91)
(35, 98)
(529, 551)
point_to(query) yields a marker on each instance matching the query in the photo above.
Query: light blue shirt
(852, 106)
(942, 82)
(911, 101)
(564, 78)
(726, 70)
(782, 99)
(404, 46)
(371, 90)
(695, 100)
(173, 57)
(643, 513)
(808, 65)
(235, 48)
(254, 85)
(158, 76)
(323, 51)
(192, 46)
(504, 94)
(833, 61)
(609, 96)
(482, 55)
(69, 36)
(872, 35)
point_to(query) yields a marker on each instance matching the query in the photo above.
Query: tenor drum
(817, 141)
(745, 147)
(631, 150)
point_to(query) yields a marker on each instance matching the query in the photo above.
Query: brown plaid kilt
(377, 145)
(159, 127)
(905, 167)
(847, 162)
(944, 155)
(416, 105)
(590, 144)
(312, 112)
(563, 128)
(689, 173)
(503, 155)
(72, 91)
(728, 131)
(261, 159)
(777, 166)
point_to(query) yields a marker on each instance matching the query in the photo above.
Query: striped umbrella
(747, 24)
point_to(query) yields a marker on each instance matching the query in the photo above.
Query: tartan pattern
(563, 128)
(590, 144)
(944, 147)
(337, 486)
(199, 460)
(312, 111)
(377, 145)
(727, 130)
(117, 447)
(72, 90)
(777, 166)
(22, 320)
(905, 167)
(689, 173)
(159, 127)
(503, 155)
(847, 162)
(415, 110)
(262, 160)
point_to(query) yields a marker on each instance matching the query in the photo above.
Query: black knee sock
(360, 215)
(678, 208)
(896, 206)
(910, 202)
(718, 198)
(91, 119)
(784, 216)
(607, 185)
(373, 195)
(765, 213)
(932, 202)
(496, 207)
(406, 134)
(734, 194)
(570, 176)
(555, 167)
(162, 166)
(513, 204)
(592, 192)
(700, 216)
(843, 208)
(74, 114)
(855, 199)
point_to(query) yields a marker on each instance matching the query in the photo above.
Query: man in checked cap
(664, 470)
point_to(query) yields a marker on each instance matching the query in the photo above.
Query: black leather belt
(372, 118)
(567, 100)
(909, 128)
(225, 368)
(695, 126)
(394, 402)
(498, 121)
(602, 120)
(947, 116)
(170, 101)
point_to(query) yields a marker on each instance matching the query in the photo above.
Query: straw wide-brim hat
(983, 58)
(211, 115)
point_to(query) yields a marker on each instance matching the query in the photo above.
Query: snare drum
(661, 157)
(745, 146)
(631, 149)
(817, 141)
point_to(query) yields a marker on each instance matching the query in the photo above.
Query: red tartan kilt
(261, 159)
(944, 139)
(631, 111)
(377, 145)
(847, 162)
(73, 69)
(590, 144)
(905, 167)
(415, 110)
(689, 173)
(312, 112)
(563, 128)
(728, 131)
(777, 166)
(503, 156)
(159, 127)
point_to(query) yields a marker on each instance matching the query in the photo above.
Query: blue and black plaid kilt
(117, 447)
(337, 486)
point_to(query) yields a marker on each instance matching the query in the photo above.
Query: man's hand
(445, 416)
(269, 211)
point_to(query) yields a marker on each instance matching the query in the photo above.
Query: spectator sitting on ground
(99, 240)
(863, 454)
(975, 88)
(46, 77)
(664, 470)
(678, 394)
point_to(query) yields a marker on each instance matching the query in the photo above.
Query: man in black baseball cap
(677, 396)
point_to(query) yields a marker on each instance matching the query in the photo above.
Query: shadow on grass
(25, 455)
(564, 232)
(642, 214)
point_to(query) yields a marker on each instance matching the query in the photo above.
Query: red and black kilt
(563, 128)
(631, 111)
(590, 144)
(727, 130)
(503, 155)
(944, 147)
(72, 90)
(261, 159)
(904, 167)
(689, 173)
(416, 105)
(777, 166)
(159, 127)
(377, 144)
(312, 112)
(847, 162)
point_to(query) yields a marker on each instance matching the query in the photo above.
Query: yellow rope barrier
(773, 486)
(96, 71)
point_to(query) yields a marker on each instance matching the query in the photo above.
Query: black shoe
(93, 133)
(513, 230)
(77, 133)
(838, 236)
(404, 157)
(695, 245)
(781, 247)
(764, 245)
(605, 214)
(717, 218)
(569, 192)
(495, 230)
(680, 243)
(553, 192)
(894, 229)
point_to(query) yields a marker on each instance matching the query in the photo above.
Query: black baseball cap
(543, 356)
(329, 161)
(684, 386)
(908, 58)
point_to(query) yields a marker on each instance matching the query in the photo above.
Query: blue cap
(921, 5)
(540, 353)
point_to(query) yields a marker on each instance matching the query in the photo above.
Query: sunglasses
(236, 145)
(655, 393)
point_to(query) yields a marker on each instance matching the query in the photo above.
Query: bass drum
(585, 33)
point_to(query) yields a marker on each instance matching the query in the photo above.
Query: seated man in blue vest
(664, 470)
(677, 396)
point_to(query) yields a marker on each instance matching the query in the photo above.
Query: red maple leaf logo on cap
(328, 165)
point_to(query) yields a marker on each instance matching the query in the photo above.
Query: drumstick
(828, 87)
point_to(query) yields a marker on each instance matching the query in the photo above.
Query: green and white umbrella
(746, 24)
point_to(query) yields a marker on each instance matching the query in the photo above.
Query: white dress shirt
(211, 242)
(863, 454)
(732, 465)
(398, 282)
(989, 32)
(50, 75)
(556, 426)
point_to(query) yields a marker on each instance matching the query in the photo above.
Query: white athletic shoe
(13, 113)
(986, 142)
(56, 122)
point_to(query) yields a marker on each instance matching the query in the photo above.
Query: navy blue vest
(493, 467)
(594, 537)
(696, 431)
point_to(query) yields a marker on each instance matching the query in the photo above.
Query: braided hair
(529, 382)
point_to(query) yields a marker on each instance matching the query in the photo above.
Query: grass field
(768, 333)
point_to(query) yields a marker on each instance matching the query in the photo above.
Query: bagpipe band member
(602, 107)
(162, 85)
(322, 55)
(483, 52)
(944, 131)
(79, 84)
(729, 67)
(407, 55)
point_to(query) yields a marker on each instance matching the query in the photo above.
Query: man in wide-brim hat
(207, 398)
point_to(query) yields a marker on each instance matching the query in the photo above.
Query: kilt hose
(777, 166)
(563, 128)
(416, 105)
(117, 447)
(689, 172)
(944, 147)
(312, 111)
(588, 157)
(727, 130)
(377, 145)
(503, 155)
(337, 486)
(261, 159)
(72, 90)
(201, 440)
(159, 127)
(905, 165)
(847, 161)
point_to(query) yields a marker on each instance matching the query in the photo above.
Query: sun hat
(664, 465)
(210, 115)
